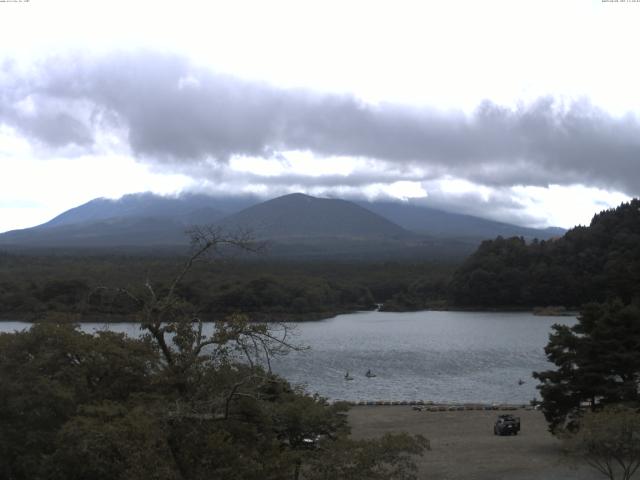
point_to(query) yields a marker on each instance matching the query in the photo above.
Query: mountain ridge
(145, 205)
(298, 215)
(441, 223)
(296, 222)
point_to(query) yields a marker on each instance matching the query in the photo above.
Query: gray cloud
(38, 116)
(221, 173)
(499, 205)
(178, 114)
(55, 129)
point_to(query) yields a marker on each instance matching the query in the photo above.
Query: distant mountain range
(438, 223)
(187, 209)
(295, 224)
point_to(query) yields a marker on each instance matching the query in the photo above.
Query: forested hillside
(591, 263)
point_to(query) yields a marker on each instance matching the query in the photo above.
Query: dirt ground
(463, 445)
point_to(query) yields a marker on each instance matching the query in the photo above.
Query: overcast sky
(521, 111)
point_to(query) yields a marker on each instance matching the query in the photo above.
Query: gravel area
(463, 445)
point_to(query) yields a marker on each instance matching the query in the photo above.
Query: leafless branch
(234, 391)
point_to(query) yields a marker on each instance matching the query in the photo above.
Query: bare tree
(187, 345)
(608, 441)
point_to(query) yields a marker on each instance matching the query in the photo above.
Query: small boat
(370, 374)
(520, 381)
(347, 376)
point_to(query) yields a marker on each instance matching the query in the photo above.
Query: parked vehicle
(506, 425)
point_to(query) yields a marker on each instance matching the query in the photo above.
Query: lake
(438, 356)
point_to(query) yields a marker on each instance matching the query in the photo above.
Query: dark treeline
(34, 287)
(588, 264)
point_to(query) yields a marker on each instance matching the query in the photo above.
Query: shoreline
(537, 311)
(429, 406)
(112, 318)
(260, 317)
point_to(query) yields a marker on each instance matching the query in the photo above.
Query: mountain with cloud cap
(295, 224)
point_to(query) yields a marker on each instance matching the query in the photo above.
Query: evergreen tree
(597, 360)
(588, 264)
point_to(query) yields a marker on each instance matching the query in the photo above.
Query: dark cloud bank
(179, 115)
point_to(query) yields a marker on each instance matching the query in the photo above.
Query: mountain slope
(298, 225)
(111, 232)
(438, 223)
(188, 208)
(149, 220)
(302, 216)
(142, 219)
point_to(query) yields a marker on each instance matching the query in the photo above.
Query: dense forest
(86, 286)
(587, 264)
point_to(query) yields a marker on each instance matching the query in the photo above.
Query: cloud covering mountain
(173, 113)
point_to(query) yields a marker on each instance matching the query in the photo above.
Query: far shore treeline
(589, 263)
(40, 287)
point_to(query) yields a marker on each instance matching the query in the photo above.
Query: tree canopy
(597, 360)
(593, 263)
(609, 442)
(183, 401)
(34, 287)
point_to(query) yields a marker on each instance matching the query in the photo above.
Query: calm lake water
(438, 356)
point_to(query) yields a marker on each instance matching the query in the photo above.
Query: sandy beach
(463, 446)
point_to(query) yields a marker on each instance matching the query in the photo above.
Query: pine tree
(597, 360)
